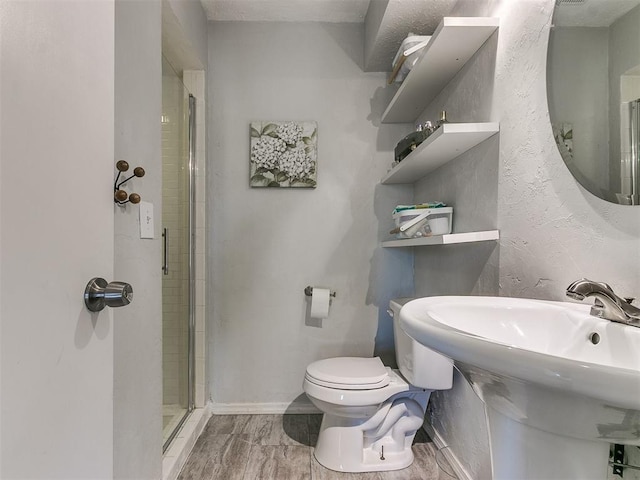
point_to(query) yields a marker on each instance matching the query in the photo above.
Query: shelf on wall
(446, 143)
(452, 44)
(449, 239)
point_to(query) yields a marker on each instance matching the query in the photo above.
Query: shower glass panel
(177, 289)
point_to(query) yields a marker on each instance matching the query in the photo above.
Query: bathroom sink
(559, 385)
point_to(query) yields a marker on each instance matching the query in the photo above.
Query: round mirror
(593, 89)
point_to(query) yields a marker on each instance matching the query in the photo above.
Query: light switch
(146, 220)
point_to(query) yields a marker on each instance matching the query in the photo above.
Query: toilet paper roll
(320, 302)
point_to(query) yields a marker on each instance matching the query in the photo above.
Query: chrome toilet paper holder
(308, 291)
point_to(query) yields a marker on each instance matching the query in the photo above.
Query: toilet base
(380, 443)
(371, 461)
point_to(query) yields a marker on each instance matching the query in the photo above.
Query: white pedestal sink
(559, 385)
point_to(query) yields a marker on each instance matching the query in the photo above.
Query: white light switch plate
(146, 220)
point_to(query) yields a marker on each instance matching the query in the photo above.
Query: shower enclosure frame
(630, 151)
(634, 137)
(191, 164)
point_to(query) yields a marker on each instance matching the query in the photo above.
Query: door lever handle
(99, 294)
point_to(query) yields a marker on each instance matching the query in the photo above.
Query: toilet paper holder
(308, 291)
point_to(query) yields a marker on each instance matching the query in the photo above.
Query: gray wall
(137, 420)
(266, 245)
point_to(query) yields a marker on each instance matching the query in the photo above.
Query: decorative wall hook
(120, 196)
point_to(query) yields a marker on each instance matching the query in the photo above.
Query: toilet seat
(349, 373)
(340, 396)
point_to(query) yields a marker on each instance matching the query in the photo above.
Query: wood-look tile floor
(280, 447)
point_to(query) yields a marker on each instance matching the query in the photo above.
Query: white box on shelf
(430, 221)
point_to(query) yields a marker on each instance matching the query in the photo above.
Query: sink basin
(559, 385)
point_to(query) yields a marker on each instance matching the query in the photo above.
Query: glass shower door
(177, 290)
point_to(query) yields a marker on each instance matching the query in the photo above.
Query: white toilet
(371, 412)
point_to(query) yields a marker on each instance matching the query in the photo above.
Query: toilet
(371, 412)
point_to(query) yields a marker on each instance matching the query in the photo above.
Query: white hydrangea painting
(283, 154)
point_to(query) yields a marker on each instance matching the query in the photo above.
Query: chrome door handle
(99, 294)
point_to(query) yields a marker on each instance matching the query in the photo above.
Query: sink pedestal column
(521, 452)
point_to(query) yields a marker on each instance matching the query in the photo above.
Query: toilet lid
(349, 373)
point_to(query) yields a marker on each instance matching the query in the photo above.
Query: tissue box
(438, 222)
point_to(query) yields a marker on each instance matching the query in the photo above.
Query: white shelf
(446, 143)
(445, 239)
(452, 44)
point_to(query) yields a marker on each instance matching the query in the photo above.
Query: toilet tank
(420, 366)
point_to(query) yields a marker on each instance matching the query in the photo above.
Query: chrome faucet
(607, 304)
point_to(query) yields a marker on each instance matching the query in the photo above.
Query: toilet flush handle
(99, 294)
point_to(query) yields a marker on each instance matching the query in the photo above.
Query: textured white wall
(372, 24)
(137, 419)
(552, 231)
(266, 245)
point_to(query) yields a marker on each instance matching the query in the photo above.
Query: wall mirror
(593, 89)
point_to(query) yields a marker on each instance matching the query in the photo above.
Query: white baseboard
(457, 467)
(262, 408)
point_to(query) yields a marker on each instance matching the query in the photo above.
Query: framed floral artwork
(283, 154)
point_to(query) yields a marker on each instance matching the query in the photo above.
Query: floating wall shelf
(449, 239)
(452, 44)
(446, 143)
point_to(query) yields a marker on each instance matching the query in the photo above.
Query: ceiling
(331, 11)
(590, 13)
(390, 22)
